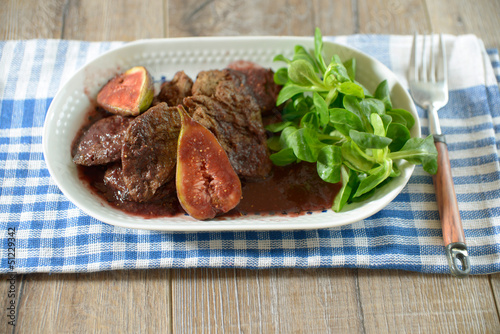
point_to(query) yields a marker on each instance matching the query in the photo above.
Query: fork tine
(413, 69)
(423, 69)
(442, 70)
(432, 68)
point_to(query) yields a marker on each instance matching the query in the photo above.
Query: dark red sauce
(159, 206)
(291, 190)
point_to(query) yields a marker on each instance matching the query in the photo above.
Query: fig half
(206, 183)
(129, 93)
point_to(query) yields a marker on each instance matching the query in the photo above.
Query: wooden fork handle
(453, 233)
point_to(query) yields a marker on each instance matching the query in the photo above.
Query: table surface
(234, 300)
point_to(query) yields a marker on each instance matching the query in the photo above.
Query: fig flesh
(206, 183)
(129, 93)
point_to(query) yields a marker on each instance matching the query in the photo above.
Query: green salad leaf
(353, 136)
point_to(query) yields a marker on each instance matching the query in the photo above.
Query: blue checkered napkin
(53, 235)
(495, 62)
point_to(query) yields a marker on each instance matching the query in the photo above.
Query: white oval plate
(164, 57)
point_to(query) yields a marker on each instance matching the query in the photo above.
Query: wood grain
(261, 17)
(337, 301)
(335, 17)
(447, 200)
(265, 301)
(423, 303)
(108, 20)
(479, 17)
(107, 302)
(31, 19)
(495, 287)
(392, 16)
(10, 291)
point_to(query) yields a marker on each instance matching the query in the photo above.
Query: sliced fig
(206, 183)
(129, 93)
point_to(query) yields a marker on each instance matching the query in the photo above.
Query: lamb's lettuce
(330, 119)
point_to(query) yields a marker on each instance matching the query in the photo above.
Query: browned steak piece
(166, 194)
(173, 92)
(207, 81)
(102, 142)
(149, 151)
(116, 190)
(223, 103)
(261, 81)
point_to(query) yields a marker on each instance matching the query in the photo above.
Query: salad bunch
(353, 136)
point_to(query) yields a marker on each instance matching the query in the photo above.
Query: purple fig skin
(206, 183)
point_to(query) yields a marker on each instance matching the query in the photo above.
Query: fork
(429, 89)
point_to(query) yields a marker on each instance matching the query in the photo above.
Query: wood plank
(426, 303)
(335, 17)
(479, 17)
(10, 292)
(392, 17)
(105, 302)
(495, 288)
(29, 19)
(261, 17)
(264, 301)
(123, 20)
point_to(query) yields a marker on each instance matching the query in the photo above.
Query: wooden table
(250, 301)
